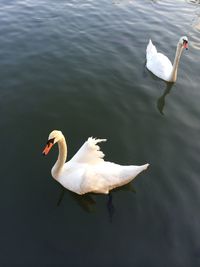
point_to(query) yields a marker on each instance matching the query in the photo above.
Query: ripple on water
(195, 23)
(193, 1)
(195, 36)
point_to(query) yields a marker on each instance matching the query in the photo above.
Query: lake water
(79, 66)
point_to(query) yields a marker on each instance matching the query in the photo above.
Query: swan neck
(176, 63)
(62, 156)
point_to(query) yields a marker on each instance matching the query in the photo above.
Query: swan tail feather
(135, 170)
(145, 166)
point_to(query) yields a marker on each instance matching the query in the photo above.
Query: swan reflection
(87, 202)
(161, 99)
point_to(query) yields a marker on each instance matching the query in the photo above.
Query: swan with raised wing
(87, 171)
(160, 65)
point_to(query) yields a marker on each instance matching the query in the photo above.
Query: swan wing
(151, 50)
(89, 153)
(103, 177)
(158, 63)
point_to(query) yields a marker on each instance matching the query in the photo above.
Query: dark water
(79, 66)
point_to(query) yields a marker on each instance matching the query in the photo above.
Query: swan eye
(185, 41)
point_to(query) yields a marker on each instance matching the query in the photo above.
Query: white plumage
(87, 171)
(160, 65)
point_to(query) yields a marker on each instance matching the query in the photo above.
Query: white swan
(87, 171)
(160, 65)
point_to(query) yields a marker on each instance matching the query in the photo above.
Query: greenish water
(79, 66)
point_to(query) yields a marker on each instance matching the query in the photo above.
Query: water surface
(79, 66)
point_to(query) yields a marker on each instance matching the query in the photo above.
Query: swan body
(87, 171)
(160, 65)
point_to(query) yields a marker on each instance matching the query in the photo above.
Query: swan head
(54, 137)
(183, 42)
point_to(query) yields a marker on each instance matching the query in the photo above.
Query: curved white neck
(62, 156)
(173, 75)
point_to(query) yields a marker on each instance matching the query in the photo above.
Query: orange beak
(47, 148)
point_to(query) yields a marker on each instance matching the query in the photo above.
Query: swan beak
(185, 45)
(47, 148)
